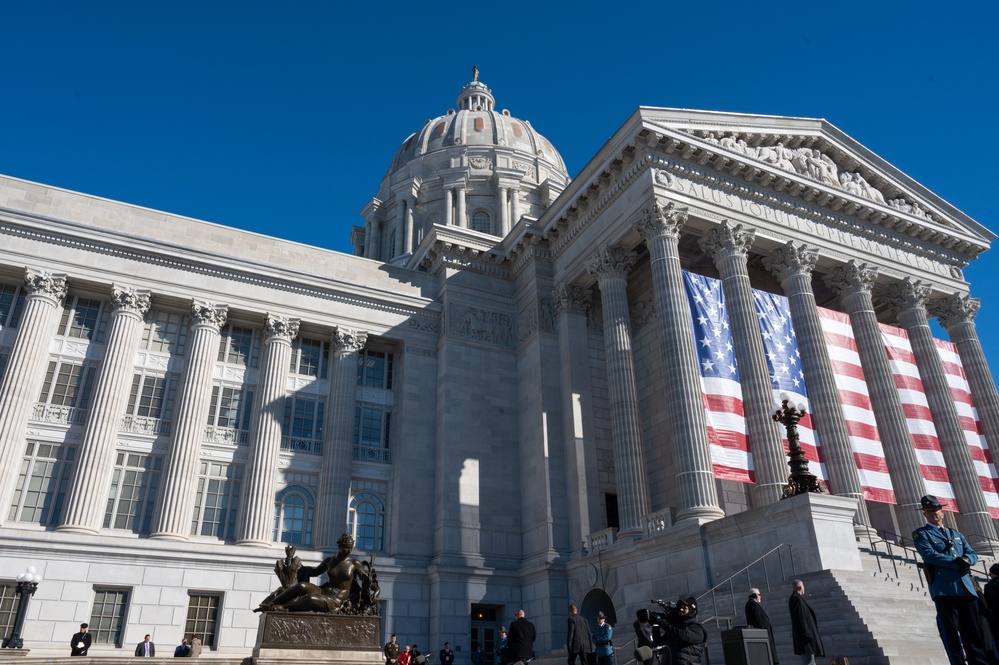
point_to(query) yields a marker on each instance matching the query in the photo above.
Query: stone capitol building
(522, 390)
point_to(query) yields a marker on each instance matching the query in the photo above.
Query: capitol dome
(474, 168)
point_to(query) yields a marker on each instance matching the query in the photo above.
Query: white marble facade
(528, 394)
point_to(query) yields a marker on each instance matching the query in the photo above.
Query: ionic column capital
(348, 341)
(128, 299)
(204, 313)
(852, 278)
(791, 260)
(45, 283)
(661, 220)
(281, 327)
(955, 309)
(611, 262)
(728, 240)
(572, 299)
(909, 294)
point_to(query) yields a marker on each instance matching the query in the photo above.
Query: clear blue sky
(281, 117)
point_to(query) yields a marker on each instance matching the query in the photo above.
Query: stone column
(22, 381)
(193, 403)
(338, 438)
(504, 212)
(368, 235)
(908, 299)
(88, 490)
(448, 206)
(400, 228)
(256, 520)
(571, 306)
(409, 229)
(661, 226)
(853, 283)
(514, 206)
(610, 267)
(728, 246)
(462, 217)
(792, 264)
(956, 314)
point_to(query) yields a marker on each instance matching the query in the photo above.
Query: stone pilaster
(193, 403)
(729, 246)
(610, 267)
(572, 305)
(88, 490)
(21, 382)
(956, 314)
(256, 520)
(338, 440)
(853, 283)
(660, 227)
(792, 264)
(908, 300)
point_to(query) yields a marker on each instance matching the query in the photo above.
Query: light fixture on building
(27, 583)
(801, 480)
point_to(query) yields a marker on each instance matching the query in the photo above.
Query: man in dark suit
(579, 641)
(804, 627)
(447, 655)
(520, 641)
(145, 648)
(80, 642)
(756, 617)
(948, 558)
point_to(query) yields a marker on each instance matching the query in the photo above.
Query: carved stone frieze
(204, 313)
(480, 325)
(955, 309)
(528, 169)
(790, 260)
(306, 630)
(45, 283)
(481, 163)
(611, 262)
(905, 295)
(127, 299)
(728, 240)
(424, 324)
(280, 326)
(348, 341)
(661, 219)
(527, 324)
(572, 299)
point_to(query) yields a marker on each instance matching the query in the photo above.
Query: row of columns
(728, 245)
(89, 484)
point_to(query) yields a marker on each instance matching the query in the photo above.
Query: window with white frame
(11, 305)
(310, 357)
(239, 345)
(84, 318)
(302, 426)
(68, 383)
(216, 500)
(134, 483)
(371, 433)
(374, 369)
(8, 606)
(203, 617)
(42, 483)
(150, 403)
(293, 510)
(366, 521)
(229, 414)
(481, 222)
(107, 618)
(165, 332)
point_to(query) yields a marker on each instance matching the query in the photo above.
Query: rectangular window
(134, 482)
(239, 346)
(217, 500)
(42, 483)
(84, 318)
(68, 384)
(303, 417)
(310, 357)
(230, 407)
(8, 607)
(11, 305)
(374, 369)
(203, 617)
(371, 433)
(165, 332)
(107, 619)
(152, 396)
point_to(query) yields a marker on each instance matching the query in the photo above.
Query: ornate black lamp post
(27, 582)
(800, 480)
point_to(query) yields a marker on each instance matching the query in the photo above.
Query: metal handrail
(729, 581)
(892, 541)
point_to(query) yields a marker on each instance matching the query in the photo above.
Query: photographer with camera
(947, 560)
(678, 633)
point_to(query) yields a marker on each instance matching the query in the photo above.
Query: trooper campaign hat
(929, 502)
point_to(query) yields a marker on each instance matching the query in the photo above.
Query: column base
(166, 535)
(251, 542)
(77, 528)
(700, 515)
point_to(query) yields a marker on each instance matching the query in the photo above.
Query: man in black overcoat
(578, 641)
(804, 628)
(756, 617)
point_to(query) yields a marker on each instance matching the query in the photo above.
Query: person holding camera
(947, 560)
(683, 635)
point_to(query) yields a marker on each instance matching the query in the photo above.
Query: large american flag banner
(720, 387)
(970, 423)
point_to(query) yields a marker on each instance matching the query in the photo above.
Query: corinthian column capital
(852, 278)
(572, 298)
(792, 259)
(661, 220)
(611, 262)
(131, 300)
(905, 295)
(347, 341)
(209, 314)
(45, 283)
(728, 240)
(280, 326)
(954, 309)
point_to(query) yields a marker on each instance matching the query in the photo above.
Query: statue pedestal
(304, 638)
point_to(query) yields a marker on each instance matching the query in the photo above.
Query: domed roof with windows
(474, 167)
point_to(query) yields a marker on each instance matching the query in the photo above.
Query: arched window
(293, 509)
(366, 521)
(481, 222)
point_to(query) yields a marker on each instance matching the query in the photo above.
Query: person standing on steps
(756, 617)
(578, 641)
(804, 627)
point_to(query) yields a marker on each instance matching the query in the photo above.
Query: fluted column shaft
(853, 283)
(728, 246)
(504, 220)
(21, 382)
(193, 403)
(957, 314)
(792, 264)
(908, 298)
(88, 490)
(660, 226)
(514, 206)
(448, 206)
(256, 522)
(338, 439)
(611, 267)
(462, 217)
(410, 231)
